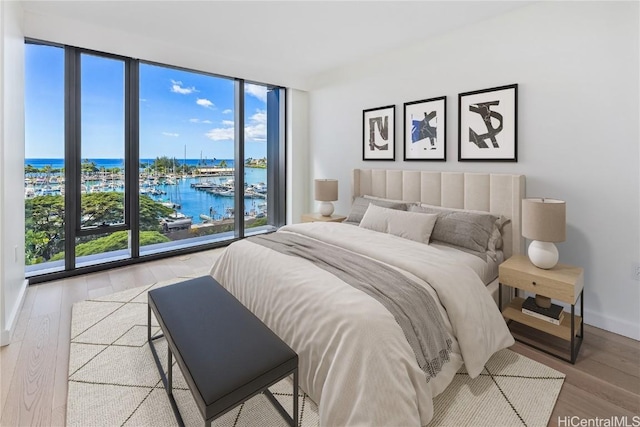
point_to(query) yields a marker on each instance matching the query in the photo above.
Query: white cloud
(204, 103)
(257, 91)
(259, 117)
(255, 130)
(200, 121)
(227, 111)
(176, 87)
(221, 134)
(170, 134)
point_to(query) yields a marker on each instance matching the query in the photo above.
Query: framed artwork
(425, 136)
(488, 124)
(378, 133)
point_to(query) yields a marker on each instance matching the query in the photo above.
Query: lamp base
(326, 208)
(542, 301)
(543, 254)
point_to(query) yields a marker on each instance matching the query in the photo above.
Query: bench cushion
(228, 352)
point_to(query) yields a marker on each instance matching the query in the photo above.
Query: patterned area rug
(113, 380)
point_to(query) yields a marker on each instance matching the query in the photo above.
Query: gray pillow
(466, 229)
(360, 205)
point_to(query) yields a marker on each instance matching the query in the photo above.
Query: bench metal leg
(295, 398)
(291, 420)
(169, 371)
(167, 382)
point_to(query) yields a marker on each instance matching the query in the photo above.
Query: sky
(178, 110)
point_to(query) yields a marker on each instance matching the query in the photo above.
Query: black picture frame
(488, 125)
(425, 130)
(378, 133)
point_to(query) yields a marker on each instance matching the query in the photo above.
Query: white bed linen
(354, 359)
(487, 270)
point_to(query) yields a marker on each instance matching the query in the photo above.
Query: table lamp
(544, 222)
(326, 191)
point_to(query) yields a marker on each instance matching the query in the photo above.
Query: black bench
(226, 354)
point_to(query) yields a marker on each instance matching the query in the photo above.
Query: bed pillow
(366, 196)
(495, 241)
(467, 229)
(360, 205)
(409, 225)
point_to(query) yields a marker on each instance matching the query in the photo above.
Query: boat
(206, 218)
(176, 221)
(171, 205)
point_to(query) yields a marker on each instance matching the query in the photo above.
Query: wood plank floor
(605, 381)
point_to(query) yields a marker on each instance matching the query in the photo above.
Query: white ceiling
(302, 39)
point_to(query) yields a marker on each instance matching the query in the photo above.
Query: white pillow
(409, 225)
(375, 218)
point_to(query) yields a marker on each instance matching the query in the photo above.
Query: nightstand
(562, 283)
(316, 217)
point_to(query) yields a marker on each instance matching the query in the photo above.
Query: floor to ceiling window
(186, 155)
(44, 158)
(102, 156)
(141, 159)
(263, 122)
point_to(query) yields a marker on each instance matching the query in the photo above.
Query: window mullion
(132, 150)
(238, 161)
(72, 154)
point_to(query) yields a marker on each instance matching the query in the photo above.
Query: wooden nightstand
(563, 283)
(316, 217)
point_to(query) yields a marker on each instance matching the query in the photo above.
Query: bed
(376, 343)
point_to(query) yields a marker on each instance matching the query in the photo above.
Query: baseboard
(617, 326)
(7, 332)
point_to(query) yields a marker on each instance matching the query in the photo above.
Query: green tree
(44, 221)
(102, 209)
(162, 164)
(108, 208)
(151, 212)
(88, 167)
(223, 164)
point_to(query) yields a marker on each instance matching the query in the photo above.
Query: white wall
(297, 154)
(576, 64)
(12, 283)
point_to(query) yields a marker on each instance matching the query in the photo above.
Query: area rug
(113, 380)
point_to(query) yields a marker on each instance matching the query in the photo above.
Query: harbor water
(179, 191)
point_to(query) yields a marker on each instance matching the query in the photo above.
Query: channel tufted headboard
(496, 193)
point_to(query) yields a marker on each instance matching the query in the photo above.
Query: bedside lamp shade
(544, 222)
(326, 191)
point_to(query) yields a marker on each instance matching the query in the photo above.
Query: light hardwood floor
(604, 382)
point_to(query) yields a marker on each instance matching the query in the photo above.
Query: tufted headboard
(496, 193)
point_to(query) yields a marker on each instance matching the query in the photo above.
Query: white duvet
(354, 360)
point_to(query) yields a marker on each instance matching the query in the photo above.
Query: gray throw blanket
(410, 304)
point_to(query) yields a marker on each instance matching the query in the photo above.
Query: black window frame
(276, 172)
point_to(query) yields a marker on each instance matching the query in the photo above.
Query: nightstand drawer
(562, 282)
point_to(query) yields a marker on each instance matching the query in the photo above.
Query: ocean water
(193, 202)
